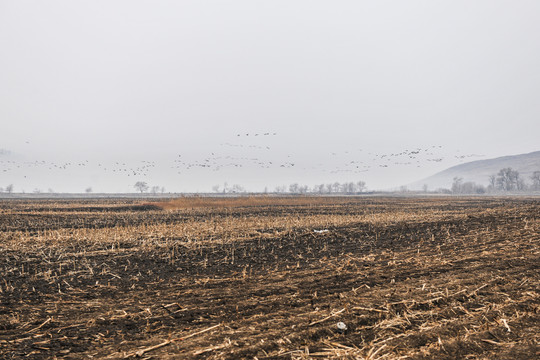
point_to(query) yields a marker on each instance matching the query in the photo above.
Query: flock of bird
(257, 134)
(141, 169)
(259, 156)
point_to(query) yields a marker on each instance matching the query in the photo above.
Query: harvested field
(267, 278)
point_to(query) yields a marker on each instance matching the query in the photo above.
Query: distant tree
(141, 186)
(1, 190)
(280, 189)
(88, 190)
(480, 189)
(215, 188)
(225, 188)
(294, 188)
(535, 177)
(155, 189)
(456, 185)
(329, 188)
(425, 188)
(50, 191)
(492, 182)
(37, 191)
(360, 186)
(162, 189)
(336, 187)
(508, 179)
(466, 188)
(9, 188)
(520, 184)
(470, 187)
(403, 189)
(236, 189)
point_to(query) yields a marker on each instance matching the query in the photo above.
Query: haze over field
(186, 95)
(479, 171)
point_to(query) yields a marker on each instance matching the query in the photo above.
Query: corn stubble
(269, 278)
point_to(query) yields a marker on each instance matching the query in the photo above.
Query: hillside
(480, 170)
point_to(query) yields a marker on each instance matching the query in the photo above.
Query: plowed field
(267, 278)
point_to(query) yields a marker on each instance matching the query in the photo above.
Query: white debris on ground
(342, 327)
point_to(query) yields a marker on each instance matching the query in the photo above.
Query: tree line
(142, 187)
(506, 180)
(296, 188)
(8, 189)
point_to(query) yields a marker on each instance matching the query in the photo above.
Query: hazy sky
(85, 85)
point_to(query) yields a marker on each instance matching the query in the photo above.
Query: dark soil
(459, 281)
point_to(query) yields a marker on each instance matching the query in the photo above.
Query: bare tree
(238, 189)
(215, 188)
(520, 184)
(360, 186)
(294, 188)
(535, 177)
(351, 188)
(508, 179)
(154, 190)
(471, 187)
(457, 185)
(9, 188)
(319, 188)
(88, 190)
(492, 182)
(425, 188)
(141, 186)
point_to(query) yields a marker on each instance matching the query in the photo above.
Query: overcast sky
(164, 88)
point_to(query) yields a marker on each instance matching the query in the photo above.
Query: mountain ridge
(478, 171)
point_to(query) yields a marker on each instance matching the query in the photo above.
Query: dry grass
(411, 278)
(194, 202)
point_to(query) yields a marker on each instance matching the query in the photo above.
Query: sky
(103, 94)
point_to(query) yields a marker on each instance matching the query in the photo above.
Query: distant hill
(480, 170)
